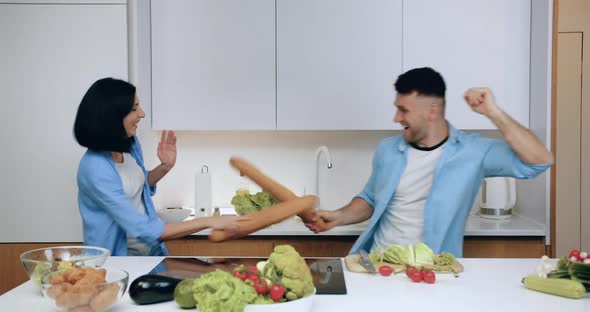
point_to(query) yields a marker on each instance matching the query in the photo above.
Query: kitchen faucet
(316, 182)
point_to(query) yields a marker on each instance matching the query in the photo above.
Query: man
(424, 182)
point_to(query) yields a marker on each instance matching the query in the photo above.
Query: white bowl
(299, 305)
(173, 215)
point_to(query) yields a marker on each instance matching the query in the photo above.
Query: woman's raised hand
(167, 149)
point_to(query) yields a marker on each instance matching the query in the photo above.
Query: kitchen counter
(516, 225)
(485, 285)
(294, 229)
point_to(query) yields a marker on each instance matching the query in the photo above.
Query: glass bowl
(84, 289)
(39, 262)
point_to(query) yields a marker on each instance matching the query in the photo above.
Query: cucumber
(581, 278)
(559, 273)
(580, 272)
(581, 268)
(555, 286)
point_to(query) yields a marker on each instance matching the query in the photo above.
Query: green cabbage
(246, 203)
(412, 258)
(418, 254)
(423, 255)
(263, 199)
(397, 254)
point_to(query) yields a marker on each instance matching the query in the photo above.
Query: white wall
(46, 65)
(286, 156)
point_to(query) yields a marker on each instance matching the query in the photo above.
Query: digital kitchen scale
(327, 273)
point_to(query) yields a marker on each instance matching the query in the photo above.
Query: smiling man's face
(412, 115)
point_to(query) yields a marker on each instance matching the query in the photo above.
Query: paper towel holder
(203, 192)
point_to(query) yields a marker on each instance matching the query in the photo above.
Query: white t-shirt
(403, 221)
(133, 179)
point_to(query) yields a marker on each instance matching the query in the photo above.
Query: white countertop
(294, 229)
(485, 285)
(516, 225)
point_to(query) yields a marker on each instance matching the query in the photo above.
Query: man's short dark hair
(424, 81)
(99, 121)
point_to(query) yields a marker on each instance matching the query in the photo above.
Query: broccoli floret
(262, 300)
(293, 272)
(270, 272)
(291, 296)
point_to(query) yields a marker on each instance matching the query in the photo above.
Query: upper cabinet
(330, 64)
(336, 63)
(213, 64)
(472, 44)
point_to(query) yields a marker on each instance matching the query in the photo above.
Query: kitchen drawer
(508, 247)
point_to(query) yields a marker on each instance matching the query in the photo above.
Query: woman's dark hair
(99, 121)
(425, 81)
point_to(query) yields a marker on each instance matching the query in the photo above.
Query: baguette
(275, 188)
(261, 219)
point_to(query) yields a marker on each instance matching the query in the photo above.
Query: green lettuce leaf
(423, 255)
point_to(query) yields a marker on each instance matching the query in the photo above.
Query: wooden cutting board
(353, 265)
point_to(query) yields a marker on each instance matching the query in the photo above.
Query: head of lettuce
(246, 203)
(219, 291)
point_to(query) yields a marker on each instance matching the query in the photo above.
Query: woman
(114, 188)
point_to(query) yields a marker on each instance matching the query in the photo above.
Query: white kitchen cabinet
(336, 63)
(213, 64)
(330, 64)
(50, 54)
(472, 43)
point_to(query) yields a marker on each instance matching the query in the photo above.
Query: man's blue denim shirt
(466, 160)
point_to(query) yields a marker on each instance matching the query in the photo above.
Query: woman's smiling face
(132, 119)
